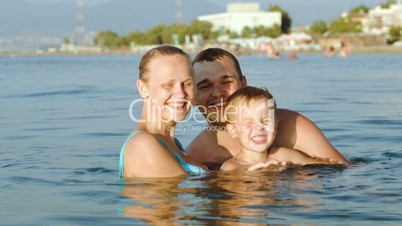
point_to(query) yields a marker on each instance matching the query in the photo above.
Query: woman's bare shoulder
(145, 156)
(142, 139)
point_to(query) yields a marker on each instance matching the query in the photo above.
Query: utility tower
(79, 35)
(179, 14)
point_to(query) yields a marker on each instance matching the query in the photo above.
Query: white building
(242, 14)
(380, 20)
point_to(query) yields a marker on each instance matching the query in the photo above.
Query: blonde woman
(165, 84)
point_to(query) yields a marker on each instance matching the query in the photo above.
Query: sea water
(63, 120)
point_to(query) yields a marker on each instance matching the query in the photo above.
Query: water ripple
(33, 181)
(68, 92)
(104, 134)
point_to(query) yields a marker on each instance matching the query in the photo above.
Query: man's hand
(272, 165)
(331, 161)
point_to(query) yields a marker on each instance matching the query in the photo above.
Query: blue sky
(301, 10)
(86, 2)
(17, 19)
(307, 2)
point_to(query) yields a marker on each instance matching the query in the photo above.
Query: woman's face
(170, 88)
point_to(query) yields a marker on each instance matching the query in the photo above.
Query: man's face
(214, 82)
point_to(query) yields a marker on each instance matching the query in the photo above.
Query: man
(217, 76)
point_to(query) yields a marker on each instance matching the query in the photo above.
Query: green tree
(318, 27)
(395, 33)
(358, 9)
(154, 35)
(108, 39)
(286, 20)
(232, 34)
(345, 25)
(273, 31)
(66, 41)
(387, 4)
(260, 31)
(179, 29)
(201, 27)
(135, 37)
(247, 32)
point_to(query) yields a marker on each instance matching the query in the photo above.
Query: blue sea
(63, 120)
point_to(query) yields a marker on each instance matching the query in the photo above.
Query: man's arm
(299, 158)
(197, 150)
(297, 132)
(205, 149)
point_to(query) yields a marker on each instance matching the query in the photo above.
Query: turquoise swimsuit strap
(180, 146)
(190, 168)
(170, 148)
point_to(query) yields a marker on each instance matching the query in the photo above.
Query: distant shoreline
(389, 49)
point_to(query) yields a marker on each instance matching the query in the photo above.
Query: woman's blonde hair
(164, 50)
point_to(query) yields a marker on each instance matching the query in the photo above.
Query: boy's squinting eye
(247, 123)
(167, 85)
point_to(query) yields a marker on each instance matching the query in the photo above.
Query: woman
(166, 86)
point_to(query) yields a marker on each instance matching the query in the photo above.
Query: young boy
(250, 113)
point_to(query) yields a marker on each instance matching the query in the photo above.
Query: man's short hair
(212, 54)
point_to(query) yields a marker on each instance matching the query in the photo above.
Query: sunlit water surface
(64, 118)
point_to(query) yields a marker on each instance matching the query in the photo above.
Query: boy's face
(254, 124)
(215, 81)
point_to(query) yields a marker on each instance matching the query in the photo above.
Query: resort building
(240, 15)
(379, 20)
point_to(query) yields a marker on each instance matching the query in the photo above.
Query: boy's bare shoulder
(230, 165)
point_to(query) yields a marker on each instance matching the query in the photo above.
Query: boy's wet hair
(243, 96)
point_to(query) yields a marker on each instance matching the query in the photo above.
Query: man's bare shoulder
(286, 114)
(205, 149)
(201, 144)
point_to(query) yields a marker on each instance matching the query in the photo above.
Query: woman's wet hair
(164, 50)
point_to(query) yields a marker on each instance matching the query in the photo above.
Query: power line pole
(179, 14)
(79, 36)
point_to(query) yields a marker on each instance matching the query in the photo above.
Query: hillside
(58, 19)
